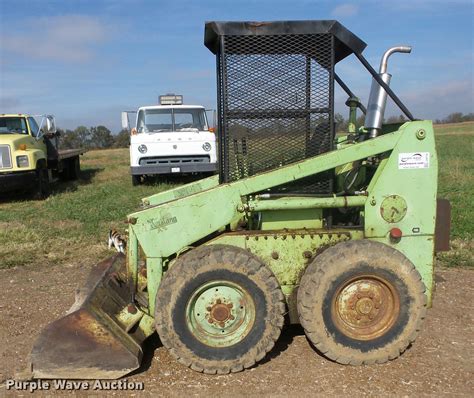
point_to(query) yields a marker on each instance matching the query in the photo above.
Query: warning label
(414, 160)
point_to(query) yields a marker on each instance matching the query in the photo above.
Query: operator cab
(171, 119)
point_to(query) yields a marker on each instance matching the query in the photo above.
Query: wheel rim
(365, 307)
(220, 313)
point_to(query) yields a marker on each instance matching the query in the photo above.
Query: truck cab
(171, 139)
(29, 155)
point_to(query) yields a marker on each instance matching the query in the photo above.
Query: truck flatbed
(69, 153)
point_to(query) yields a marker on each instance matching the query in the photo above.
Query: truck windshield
(13, 125)
(167, 120)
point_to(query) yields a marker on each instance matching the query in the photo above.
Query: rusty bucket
(98, 338)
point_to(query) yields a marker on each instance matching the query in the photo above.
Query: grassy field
(72, 225)
(455, 145)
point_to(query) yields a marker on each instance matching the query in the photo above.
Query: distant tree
(341, 123)
(122, 139)
(360, 121)
(468, 118)
(392, 119)
(455, 117)
(68, 139)
(396, 119)
(101, 137)
(83, 136)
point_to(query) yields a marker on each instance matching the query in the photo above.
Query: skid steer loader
(300, 226)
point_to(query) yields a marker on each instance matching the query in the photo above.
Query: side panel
(403, 196)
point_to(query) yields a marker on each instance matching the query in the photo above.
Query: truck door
(38, 141)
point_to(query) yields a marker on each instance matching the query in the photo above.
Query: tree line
(456, 117)
(100, 137)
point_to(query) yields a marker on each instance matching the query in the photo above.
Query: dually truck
(30, 158)
(171, 138)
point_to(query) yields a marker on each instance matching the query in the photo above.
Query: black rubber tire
(198, 267)
(334, 269)
(136, 180)
(42, 189)
(74, 170)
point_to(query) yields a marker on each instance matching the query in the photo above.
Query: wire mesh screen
(275, 104)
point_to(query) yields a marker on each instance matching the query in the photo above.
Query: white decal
(414, 160)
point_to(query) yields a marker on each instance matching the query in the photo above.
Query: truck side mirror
(50, 126)
(125, 123)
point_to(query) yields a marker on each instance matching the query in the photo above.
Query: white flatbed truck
(170, 138)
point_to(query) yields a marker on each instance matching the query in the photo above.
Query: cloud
(345, 10)
(67, 38)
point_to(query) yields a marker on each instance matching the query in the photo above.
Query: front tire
(361, 302)
(136, 180)
(43, 188)
(219, 309)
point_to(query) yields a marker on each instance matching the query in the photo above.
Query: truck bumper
(174, 169)
(15, 181)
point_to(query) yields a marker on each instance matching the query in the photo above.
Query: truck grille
(166, 160)
(5, 157)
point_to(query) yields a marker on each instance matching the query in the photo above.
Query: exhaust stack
(378, 96)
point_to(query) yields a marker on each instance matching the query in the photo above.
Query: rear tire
(361, 302)
(219, 309)
(74, 171)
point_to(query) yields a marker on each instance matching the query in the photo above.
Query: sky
(85, 61)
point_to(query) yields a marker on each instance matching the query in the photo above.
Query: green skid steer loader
(337, 233)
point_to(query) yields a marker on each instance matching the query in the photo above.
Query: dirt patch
(440, 361)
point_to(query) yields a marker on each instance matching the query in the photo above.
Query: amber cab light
(22, 147)
(212, 129)
(134, 131)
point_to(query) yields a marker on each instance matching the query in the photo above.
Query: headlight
(206, 146)
(22, 161)
(142, 148)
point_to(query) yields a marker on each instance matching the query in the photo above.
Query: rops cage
(275, 84)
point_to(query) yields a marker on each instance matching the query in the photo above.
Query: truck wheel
(136, 180)
(42, 189)
(361, 302)
(219, 309)
(74, 168)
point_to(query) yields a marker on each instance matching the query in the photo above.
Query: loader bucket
(97, 338)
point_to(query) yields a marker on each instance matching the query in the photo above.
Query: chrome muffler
(378, 95)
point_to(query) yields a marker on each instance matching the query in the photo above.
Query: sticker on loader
(414, 160)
